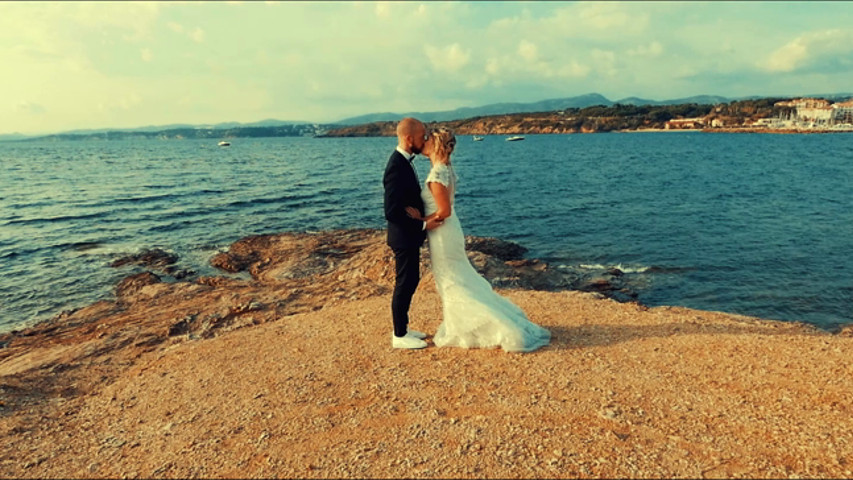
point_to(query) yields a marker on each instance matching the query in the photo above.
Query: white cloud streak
(448, 59)
(811, 49)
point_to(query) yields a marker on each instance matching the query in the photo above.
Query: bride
(474, 315)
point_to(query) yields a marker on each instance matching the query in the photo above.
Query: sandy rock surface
(285, 375)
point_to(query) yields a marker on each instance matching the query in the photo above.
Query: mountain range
(160, 128)
(550, 105)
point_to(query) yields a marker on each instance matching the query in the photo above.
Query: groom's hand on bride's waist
(414, 213)
(433, 223)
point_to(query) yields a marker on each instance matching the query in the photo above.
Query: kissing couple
(474, 315)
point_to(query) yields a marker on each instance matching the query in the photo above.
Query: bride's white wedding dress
(474, 315)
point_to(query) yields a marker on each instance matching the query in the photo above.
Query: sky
(92, 65)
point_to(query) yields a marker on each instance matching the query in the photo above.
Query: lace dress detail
(474, 315)
(442, 174)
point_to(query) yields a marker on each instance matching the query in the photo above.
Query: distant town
(798, 115)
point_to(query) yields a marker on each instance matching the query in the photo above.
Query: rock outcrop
(290, 273)
(155, 259)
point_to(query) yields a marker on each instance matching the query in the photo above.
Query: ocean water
(744, 223)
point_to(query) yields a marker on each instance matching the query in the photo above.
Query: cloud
(653, 49)
(493, 66)
(505, 69)
(30, 108)
(134, 19)
(125, 103)
(605, 61)
(528, 51)
(383, 10)
(574, 70)
(196, 34)
(146, 54)
(822, 49)
(594, 20)
(608, 16)
(572, 41)
(448, 59)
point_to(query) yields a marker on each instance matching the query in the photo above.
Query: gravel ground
(622, 391)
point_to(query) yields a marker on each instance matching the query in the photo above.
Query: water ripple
(757, 229)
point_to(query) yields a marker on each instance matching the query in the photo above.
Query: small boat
(514, 139)
(478, 139)
(224, 144)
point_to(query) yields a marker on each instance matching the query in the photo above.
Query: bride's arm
(442, 201)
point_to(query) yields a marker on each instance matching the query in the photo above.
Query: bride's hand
(414, 213)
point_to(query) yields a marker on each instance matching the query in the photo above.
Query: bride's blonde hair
(444, 142)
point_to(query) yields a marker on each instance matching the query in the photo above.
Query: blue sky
(75, 65)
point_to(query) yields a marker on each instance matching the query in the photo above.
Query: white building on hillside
(817, 112)
(842, 113)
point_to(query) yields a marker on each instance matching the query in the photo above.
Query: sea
(753, 224)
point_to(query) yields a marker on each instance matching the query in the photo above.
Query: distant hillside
(12, 136)
(178, 126)
(492, 109)
(553, 105)
(292, 130)
(698, 99)
(597, 118)
(153, 131)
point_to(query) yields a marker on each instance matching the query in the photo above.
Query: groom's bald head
(411, 134)
(408, 126)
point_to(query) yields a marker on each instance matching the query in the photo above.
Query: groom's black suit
(405, 235)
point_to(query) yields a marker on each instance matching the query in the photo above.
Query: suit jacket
(402, 190)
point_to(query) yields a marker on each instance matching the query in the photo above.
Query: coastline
(774, 130)
(291, 374)
(387, 132)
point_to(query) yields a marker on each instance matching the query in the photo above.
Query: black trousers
(408, 275)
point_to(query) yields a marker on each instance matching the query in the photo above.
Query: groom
(405, 234)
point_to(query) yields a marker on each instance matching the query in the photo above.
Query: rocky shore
(282, 367)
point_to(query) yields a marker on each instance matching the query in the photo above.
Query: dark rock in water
(158, 260)
(612, 284)
(623, 295)
(83, 246)
(153, 258)
(495, 247)
(598, 284)
(178, 273)
(845, 331)
(134, 283)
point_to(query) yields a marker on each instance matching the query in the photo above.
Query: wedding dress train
(474, 315)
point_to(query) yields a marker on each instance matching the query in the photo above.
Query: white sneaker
(407, 342)
(416, 334)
